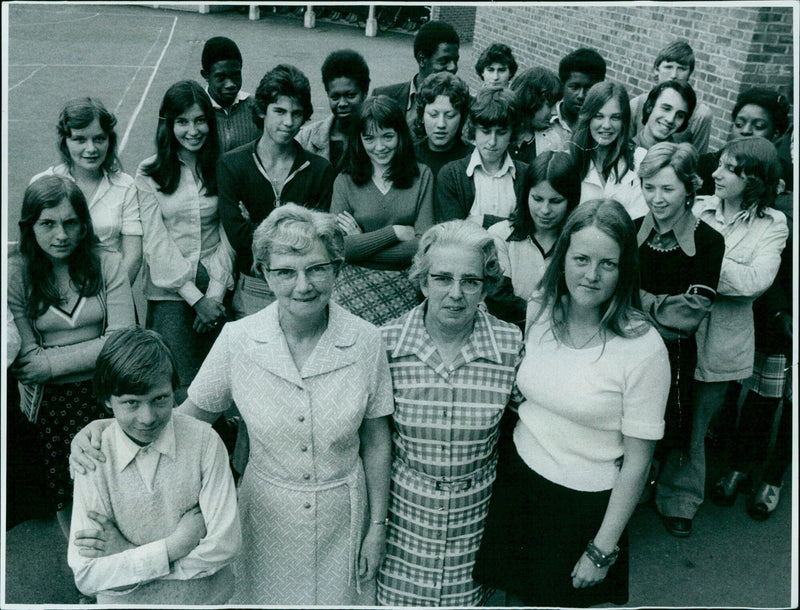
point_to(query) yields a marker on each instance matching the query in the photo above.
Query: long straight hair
(557, 168)
(165, 169)
(624, 306)
(382, 112)
(84, 265)
(583, 143)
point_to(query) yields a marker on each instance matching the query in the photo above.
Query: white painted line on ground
(136, 73)
(28, 77)
(147, 88)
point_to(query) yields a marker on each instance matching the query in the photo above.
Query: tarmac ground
(127, 56)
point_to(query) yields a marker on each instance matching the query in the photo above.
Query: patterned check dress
(445, 452)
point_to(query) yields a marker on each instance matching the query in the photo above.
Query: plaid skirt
(376, 295)
(770, 375)
(65, 409)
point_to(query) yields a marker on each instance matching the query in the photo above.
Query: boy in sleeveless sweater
(156, 522)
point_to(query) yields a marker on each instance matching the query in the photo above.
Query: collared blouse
(753, 246)
(181, 231)
(446, 415)
(114, 207)
(627, 190)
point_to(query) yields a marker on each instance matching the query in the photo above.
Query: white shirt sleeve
(218, 505)
(128, 568)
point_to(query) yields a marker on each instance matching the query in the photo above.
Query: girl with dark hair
(603, 151)
(384, 202)
(556, 534)
(345, 75)
(66, 294)
(679, 260)
(87, 142)
(755, 234)
(551, 189)
(188, 260)
(442, 108)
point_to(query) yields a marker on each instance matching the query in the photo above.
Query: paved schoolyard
(127, 57)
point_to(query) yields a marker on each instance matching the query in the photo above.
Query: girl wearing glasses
(188, 260)
(556, 532)
(384, 201)
(453, 368)
(312, 385)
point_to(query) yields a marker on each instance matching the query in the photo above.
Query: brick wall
(462, 18)
(735, 47)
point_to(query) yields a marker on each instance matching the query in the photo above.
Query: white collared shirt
(150, 561)
(494, 193)
(181, 230)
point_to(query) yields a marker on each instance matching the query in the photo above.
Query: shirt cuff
(151, 561)
(190, 293)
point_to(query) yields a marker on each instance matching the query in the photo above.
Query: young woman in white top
(594, 382)
(87, 142)
(603, 150)
(188, 260)
(551, 189)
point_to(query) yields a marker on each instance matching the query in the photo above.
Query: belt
(448, 484)
(352, 481)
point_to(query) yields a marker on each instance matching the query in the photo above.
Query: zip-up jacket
(246, 195)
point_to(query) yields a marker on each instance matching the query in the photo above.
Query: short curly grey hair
(293, 229)
(462, 234)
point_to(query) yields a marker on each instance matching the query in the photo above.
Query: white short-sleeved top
(579, 403)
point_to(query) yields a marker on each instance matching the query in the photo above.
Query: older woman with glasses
(312, 384)
(453, 368)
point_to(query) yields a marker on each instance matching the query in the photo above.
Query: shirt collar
(683, 231)
(713, 205)
(475, 162)
(62, 169)
(127, 450)
(558, 119)
(412, 93)
(415, 340)
(240, 97)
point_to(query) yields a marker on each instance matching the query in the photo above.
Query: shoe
(727, 488)
(677, 526)
(764, 502)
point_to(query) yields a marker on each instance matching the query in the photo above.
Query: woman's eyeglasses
(468, 285)
(313, 273)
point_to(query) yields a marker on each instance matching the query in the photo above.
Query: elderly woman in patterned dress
(312, 384)
(453, 367)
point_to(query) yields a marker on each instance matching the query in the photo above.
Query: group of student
(544, 233)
